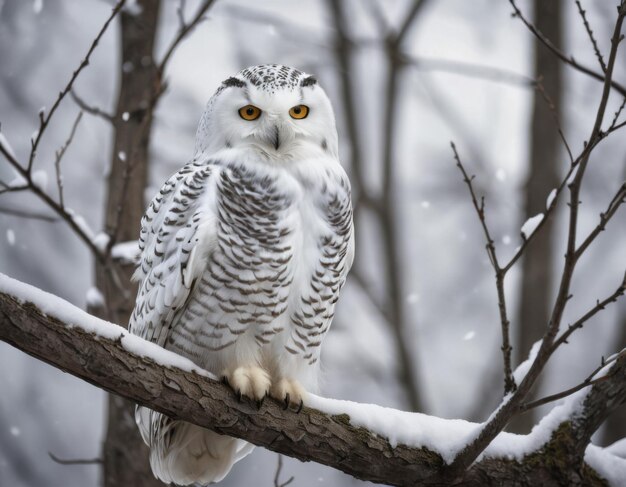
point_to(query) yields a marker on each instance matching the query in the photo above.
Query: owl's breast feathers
(268, 253)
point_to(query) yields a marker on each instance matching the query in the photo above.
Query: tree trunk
(536, 289)
(125, 455)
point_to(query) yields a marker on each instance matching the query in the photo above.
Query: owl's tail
(183, 453)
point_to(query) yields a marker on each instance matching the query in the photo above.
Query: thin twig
(615, 127)
(39, 192)
(509, 380)
(98, 112)
(616, 202)
(600, 305)
(59, 156)
(12, 189)
(27, 214)
(44, 119)
(617, 114)
(561, 55)
(279, 468)
(185, 28)
(551, 208)
(591, 36)
(589, 381)
(77, 461)
(555, 116)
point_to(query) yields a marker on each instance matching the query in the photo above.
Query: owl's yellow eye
(249, 112)
(299, 111)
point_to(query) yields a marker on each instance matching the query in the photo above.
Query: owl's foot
(289, 392)
(250, 381)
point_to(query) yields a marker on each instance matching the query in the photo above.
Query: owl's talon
(250, 381)
(224, 380)
(288, 392)
(260, 402)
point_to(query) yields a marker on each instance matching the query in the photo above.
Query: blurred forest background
(417, 327)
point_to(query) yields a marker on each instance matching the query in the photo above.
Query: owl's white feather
(244, 252)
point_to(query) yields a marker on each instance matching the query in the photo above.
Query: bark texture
(615, 425)
(125, 455)
(309, 435)
(537, 264)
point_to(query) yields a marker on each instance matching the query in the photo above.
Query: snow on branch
(367, 441)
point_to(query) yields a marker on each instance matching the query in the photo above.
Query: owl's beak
(276, 133)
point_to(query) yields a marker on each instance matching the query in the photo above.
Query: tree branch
(511, 406)
(95, 111)
(600, 305)
(500, 273)
(58, 156)
(27, 214)
(44, 119)
(604, 398)
(590, 380)
(75, 461)
(184, 29)
(108, 357)
(561, 55)
(592, 38)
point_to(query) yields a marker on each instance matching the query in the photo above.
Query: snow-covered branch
(367, 441)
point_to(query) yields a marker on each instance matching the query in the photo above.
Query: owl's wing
(178, 232)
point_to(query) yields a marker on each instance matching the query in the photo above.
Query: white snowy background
(450, 290)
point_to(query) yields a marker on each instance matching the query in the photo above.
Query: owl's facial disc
(278, 112)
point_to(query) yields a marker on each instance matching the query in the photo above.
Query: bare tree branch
(59, 156)
(541, 89)
(44, 119)
(95, 111)
(592, 38)
(500, 273)
(600, 305)
(510, 407)
(616, 202)
(589, 381)
(279, 468)
(75, 461)
(69, 218)
(27, 214)
(184, 29)
(25, 171)
(617, 114)
(561, 55)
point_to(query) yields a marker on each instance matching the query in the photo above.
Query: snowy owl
(243, 254)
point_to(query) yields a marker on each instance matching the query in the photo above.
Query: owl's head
(275, 110)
